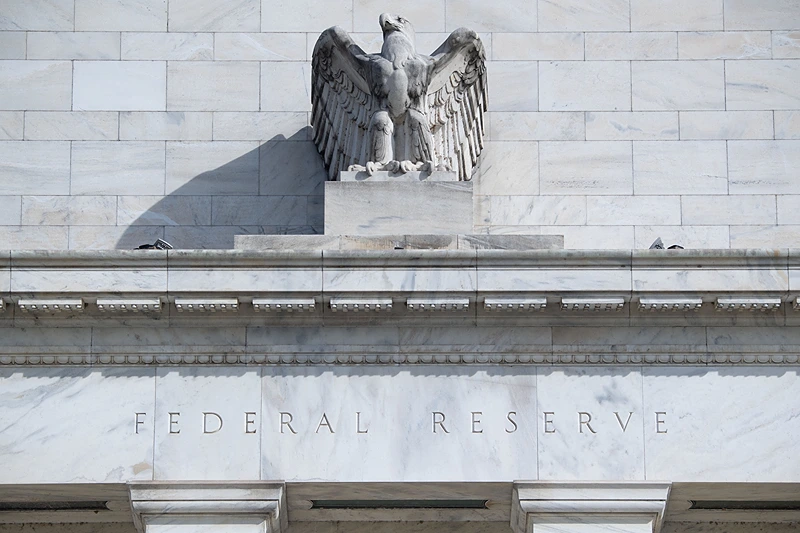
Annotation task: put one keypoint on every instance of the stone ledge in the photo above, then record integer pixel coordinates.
(569, 286)
(398, 242)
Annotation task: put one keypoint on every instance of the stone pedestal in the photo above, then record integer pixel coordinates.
(385, 205)
(541, 507)
(396, 177)
(398, 242)
(208, 507)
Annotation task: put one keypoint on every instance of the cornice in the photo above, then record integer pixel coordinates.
(243, 259)
(714, 259)
(399, 259)
(398, 288)
(736, 258)
(96, 259)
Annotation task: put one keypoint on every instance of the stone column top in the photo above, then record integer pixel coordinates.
(157, 499)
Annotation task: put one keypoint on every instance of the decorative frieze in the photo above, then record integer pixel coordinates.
(670, 304)
(118, 305)
(210, 305)
(284, 305)
(437, 304)
(55, 305)
(515, 304)
(748, 304)
(592, 304)
(366, 305)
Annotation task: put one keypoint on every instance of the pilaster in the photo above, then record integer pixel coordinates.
(208, 507)
(542, 507)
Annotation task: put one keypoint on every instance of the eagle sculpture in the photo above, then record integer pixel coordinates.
(398, 111)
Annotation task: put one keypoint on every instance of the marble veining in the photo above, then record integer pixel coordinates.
(392, 424)
(725, 424)
(591, 424)
(85, 414)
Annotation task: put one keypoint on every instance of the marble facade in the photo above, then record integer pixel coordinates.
(610, 122)
(500, 355)
(537, 391)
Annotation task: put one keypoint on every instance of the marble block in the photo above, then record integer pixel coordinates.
(119, 86)
(167, 46)
(44, 15)
(11, 124)
(679, 85)
(737, 439)
(769, 85)
(595, 414)
(403, 426)
(385, 208)
(203, 414)
(35, 167)
(36, 85)
(399, 242)
(120, 15)
(286, 242)
(398, 177)
(510, 242)
(74, 425)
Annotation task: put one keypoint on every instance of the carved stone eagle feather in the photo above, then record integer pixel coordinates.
(398, 110)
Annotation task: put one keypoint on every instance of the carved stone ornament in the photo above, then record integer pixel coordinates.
(399, 111)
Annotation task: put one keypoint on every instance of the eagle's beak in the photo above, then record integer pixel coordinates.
(387, 23)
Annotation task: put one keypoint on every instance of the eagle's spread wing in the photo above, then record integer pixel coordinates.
(457, 98)
(342, 103)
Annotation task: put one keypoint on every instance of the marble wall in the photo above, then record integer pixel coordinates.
(391, 424)
(612, 121)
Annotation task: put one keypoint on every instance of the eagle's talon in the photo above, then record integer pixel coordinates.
(408, 166)
(392, 166)
(372, 167)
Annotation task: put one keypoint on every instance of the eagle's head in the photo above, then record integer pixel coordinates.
(391, 23)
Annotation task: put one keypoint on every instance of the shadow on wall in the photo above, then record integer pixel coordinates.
(274, 188)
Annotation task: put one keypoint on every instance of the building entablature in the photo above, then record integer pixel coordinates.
(695, 307)
(333, 282)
